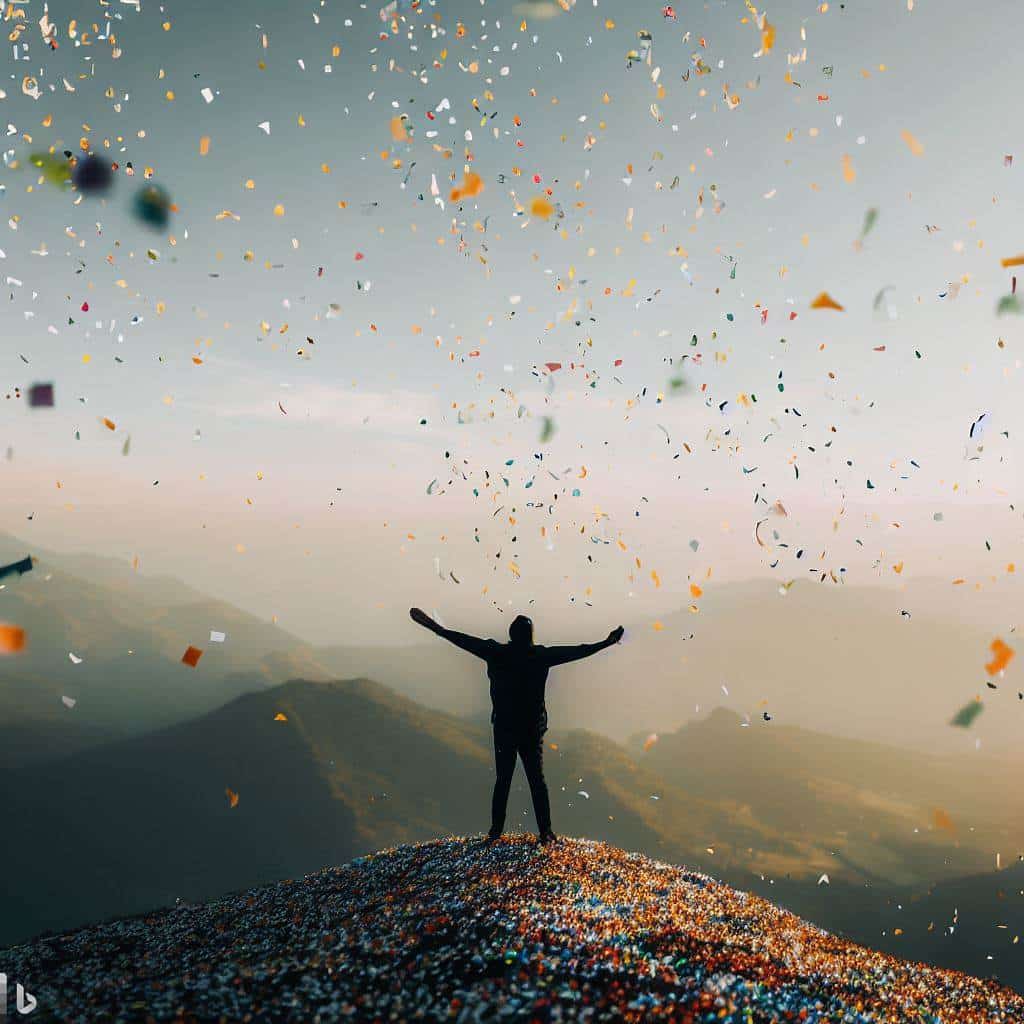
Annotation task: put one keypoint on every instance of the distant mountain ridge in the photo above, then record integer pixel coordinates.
(840, 660)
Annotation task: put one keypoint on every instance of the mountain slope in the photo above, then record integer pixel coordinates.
(146, 820)
(878, 812)
(352, 767)
(579, 931)
(112, 641)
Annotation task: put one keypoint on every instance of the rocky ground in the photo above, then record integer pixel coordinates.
(455, 930)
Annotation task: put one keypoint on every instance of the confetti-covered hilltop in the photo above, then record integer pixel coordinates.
(456, 930)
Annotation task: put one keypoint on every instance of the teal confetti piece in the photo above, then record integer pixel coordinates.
(967, 714)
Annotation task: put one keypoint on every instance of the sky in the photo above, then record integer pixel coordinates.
(336, 394)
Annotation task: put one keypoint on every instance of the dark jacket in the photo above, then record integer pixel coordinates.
(518, 674)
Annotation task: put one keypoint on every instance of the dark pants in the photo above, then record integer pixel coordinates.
(530, 747)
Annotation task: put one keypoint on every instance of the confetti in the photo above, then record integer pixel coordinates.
(191, 656)
(1002, 655)
(825, 301)
(12, 639)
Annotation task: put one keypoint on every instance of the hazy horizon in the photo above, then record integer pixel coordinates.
(328, 446)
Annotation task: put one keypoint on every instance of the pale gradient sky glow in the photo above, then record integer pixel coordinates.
(341, 535)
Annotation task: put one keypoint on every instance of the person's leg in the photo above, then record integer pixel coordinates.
(531, 750)
(504, 768)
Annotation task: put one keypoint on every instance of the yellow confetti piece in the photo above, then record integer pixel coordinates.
(279, 210)
(767, 36)
(825, 301)
(849, 174)
(204, 145)
(398, 129)
(540, 207)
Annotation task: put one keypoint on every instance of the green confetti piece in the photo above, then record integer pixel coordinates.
(1009, 304)
(56, 169)
(870, 219)
(967, 714)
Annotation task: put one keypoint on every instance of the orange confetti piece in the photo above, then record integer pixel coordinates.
(1012, 261)
(940, 819)
(280, 717)
(849, 174)
(540, 207)
(472, 185)
(767, 37)
(695, 591)
(232, 797)
(398, 129)
(825, 301)
(1002, 655)
(109, 424)
(191, 656)
(12, 639)
(204, 145)
(913, 145)
(650, 741)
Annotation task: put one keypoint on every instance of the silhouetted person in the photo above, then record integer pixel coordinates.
(518, 671)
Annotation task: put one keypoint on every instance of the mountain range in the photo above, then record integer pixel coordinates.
(875, 664)
(165, 782)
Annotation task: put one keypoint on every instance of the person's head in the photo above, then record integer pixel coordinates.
(520, 632)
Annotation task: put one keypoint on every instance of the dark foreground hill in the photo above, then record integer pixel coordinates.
(454, 930)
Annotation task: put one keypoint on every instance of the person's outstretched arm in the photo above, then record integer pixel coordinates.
(573, 652)
(473, 644)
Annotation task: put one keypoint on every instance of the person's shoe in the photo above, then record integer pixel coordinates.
(492, 838)
(548, 837)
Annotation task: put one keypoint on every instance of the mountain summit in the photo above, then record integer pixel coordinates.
(456, 930)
